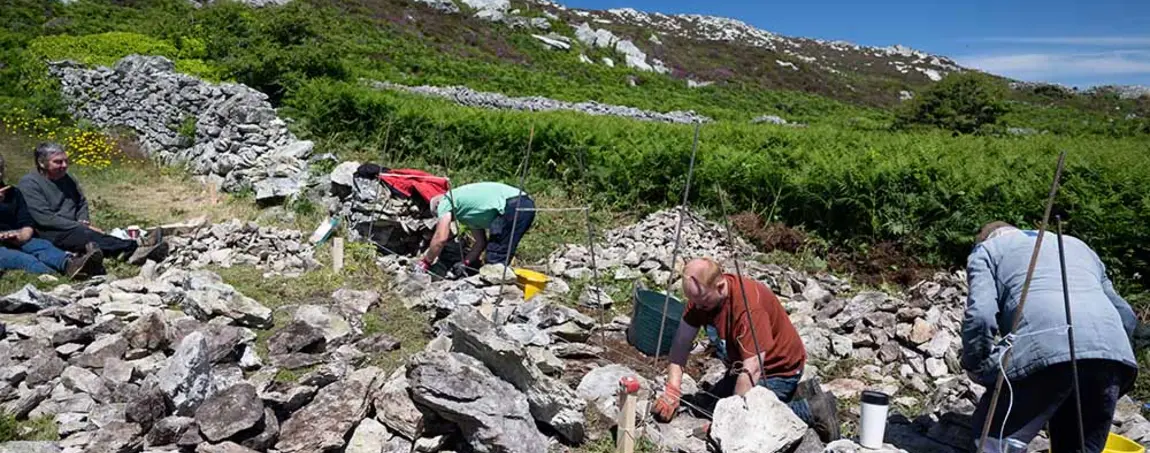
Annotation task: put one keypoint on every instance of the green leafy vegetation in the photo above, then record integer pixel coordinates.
(848, 178)
(962, 102)
(38, 429)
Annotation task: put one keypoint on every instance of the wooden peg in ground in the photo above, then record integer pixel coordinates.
(628, 400)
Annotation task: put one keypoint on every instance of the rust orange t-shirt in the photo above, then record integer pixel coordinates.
(783, 351)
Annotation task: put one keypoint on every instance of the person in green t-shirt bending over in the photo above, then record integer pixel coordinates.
(483, 207)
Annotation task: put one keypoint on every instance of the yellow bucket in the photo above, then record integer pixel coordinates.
(533, 282)
(1119, 444)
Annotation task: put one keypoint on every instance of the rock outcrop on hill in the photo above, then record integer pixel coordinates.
(228, 133)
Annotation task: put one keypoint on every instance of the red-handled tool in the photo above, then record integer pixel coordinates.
(629, 384)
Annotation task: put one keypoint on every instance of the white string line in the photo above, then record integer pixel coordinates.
(1009, 340)
(579, 209)
(396, 175)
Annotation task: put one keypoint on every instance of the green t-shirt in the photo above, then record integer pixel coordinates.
(476, 205)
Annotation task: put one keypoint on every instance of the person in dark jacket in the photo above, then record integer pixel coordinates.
(59, 210)
(20, 251)
(1039, 370)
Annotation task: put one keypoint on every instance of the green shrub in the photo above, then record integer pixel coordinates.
(962, 102)
(105, 49)
(928, 190)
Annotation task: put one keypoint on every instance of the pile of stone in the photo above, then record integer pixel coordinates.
(907, 345)
(373, 213)
(644, 250)
(237, 141)
(471, 98)
(235, 243)
(119, 370)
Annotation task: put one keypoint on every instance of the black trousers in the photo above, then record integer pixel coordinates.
(505, 231)
(1047, 396)
(75, 239)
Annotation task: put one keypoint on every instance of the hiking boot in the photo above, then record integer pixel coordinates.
(808, 389)
(824, 414)
(87, 264)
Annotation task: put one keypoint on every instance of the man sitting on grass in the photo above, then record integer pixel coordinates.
(60, 211)
(20, 251)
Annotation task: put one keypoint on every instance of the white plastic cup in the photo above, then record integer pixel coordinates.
(872, 426)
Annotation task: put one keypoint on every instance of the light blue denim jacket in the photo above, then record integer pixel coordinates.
(996, 269)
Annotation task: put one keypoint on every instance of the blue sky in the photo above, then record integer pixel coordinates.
(1073, 42)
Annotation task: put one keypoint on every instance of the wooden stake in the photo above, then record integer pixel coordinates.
(337, 255)
(625, 429)
(213, 194)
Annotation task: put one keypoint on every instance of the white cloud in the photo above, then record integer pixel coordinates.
(1105, 41)
(1049, 66)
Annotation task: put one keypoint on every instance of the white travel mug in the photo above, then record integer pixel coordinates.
(872, 426)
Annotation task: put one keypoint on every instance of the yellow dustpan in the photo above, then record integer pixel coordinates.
(533, 282)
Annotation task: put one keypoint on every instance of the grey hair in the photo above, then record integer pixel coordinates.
(44, 151)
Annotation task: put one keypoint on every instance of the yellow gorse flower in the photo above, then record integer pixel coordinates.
(85, 148)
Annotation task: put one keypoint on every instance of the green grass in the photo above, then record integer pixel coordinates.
(361, 273)
(37, 429)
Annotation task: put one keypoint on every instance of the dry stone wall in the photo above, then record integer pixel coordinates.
(239, 142)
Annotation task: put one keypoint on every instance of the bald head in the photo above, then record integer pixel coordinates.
(703, 283)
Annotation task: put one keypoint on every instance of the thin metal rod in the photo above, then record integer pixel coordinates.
(1022, 301)
(742, 286)
(515, 217)
(675, 249)
(595, 275)
(1070, 334)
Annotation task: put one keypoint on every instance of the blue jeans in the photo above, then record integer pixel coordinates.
(783, 386)
(507, 228)
(36, 256)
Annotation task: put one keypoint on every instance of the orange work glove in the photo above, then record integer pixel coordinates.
(668, 403)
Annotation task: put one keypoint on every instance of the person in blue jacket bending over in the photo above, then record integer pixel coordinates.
(1039, 370)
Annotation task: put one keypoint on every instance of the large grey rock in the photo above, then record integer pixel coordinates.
(228, 412)
(226, 447)
(169, 430)
(552, 402)
(186, 379)
(600, 387)
(334, 327)
(208, 296)
(755, 422)
(369, 437)
(493, 416)
(324, 423)
(149, 332)
(394, 407)
(29, 447)
(147, 407)
(104, 348)
(29, 299)
(28, 401)
(116, 437)
(43, 368)
(355, 301)
(298, 336)
(268, 435)
(289, 399)
(678, 435)
(81, 380)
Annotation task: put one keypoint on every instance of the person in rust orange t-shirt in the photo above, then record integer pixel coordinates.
(754, 338)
